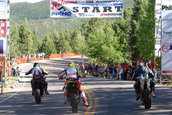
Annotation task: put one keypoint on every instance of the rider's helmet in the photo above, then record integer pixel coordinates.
(70, 65)
(73, 64)
(35, 64)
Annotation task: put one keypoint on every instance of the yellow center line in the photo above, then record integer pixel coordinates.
(87, 90)
(91, 102)
(95, 102)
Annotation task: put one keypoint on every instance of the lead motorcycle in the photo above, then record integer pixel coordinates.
(73, 94)
(38, 90)
(145, 91)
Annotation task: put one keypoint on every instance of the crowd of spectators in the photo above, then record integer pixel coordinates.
(121, 71)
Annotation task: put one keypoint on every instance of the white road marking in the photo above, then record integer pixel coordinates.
(14, 93)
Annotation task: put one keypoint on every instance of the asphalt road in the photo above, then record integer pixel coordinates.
(106, 96)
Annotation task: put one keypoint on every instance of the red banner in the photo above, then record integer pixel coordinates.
(3, 28)
(2, 64)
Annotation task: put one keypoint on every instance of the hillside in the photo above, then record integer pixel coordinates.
(38, 16)
(44, 26)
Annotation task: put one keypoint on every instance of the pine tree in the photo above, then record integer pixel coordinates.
(139, 14)
(48, 46)
(146, 33)
(14, 41)
(63, 44)
(36, 42)
(26, 41)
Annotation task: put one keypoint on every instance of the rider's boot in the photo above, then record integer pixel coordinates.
(66, 100)
(32, 92)
(137, 94)
(84, 99)
(153, 95)
(153, 91)
(46, 91)
(65, 95)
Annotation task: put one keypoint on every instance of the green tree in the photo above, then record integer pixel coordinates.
(48, 46)
(26, 41)
(103, 46)
(139, 14)
(63, 44)
(78, 42)
(36, 42)
(147, 33)
(14, 41)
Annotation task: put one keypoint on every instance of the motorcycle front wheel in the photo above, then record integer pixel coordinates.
(147, 99)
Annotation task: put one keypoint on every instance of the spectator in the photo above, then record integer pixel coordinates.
(14, 68)
(125, 70)
(18, 70)
(153, 65)
(100, 70)
(90, 69)
(114, 72)
(122, 73)
(118, 71)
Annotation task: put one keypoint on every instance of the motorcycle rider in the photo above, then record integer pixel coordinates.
(73, 73)
(143, 70)
(38, 73)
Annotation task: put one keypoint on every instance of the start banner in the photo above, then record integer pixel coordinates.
(86, 9)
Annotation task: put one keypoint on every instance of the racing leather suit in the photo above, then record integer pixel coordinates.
(38, 73)
(73, 73)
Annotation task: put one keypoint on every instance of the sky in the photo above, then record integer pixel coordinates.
(30, 1)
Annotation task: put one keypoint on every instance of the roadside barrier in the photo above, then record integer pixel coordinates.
(31, 59)
(52, 56)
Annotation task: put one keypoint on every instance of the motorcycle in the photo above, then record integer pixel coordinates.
(73, 94)
(145, 91)
(38, 90)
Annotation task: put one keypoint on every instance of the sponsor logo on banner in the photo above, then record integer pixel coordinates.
(166, 7)
(2, 28)
(167, 47)
(81, 9)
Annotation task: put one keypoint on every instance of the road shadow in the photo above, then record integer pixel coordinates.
(23, 103)
(122, 102)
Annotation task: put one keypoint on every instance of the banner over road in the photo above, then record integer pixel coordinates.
(166, 42)
(86, 9)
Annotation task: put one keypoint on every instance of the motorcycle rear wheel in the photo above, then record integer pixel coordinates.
(74, 104)
(37, 96)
